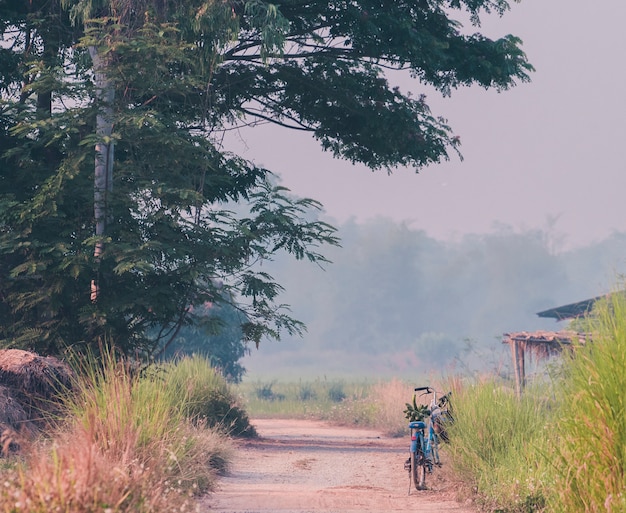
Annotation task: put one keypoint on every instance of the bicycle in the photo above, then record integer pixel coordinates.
(424, 449)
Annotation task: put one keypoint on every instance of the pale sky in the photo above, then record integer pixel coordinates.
(548, 154)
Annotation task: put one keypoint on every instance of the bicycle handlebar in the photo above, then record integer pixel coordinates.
(427, 390)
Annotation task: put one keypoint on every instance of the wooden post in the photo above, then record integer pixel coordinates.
(517, 350)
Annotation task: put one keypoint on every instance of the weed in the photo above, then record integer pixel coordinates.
(336, 392)
(307, 392)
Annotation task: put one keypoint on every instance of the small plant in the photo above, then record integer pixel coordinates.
(306, 392)
(416, 412)
(265, 392)
(336, 392)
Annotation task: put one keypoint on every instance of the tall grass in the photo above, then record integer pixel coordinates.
(204, 396)
(589, 461)
(497, 442)
(123, 448)
(390, 398)
(561, 448)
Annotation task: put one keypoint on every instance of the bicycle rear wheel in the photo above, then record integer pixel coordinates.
(418, 469)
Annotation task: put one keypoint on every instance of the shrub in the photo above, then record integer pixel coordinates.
(336, 392)
(306, 392)
(205, 396)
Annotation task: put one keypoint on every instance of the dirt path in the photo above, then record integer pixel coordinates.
(301, 466)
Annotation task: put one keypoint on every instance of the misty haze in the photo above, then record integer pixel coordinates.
(396, 302)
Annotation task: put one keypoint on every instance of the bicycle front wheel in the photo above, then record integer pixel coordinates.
(418, 470)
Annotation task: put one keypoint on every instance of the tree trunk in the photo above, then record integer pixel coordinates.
(103, 178)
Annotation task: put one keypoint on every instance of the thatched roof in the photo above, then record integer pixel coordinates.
(542, 344)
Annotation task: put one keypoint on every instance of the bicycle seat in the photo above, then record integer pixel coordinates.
(417, 424)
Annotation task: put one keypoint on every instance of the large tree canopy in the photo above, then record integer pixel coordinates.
(117, 206)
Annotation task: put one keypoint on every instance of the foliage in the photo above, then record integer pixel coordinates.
(215, 333)
(123, 244)
(589, 454)
(415, 412)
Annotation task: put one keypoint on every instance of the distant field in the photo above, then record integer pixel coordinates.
(378, 404)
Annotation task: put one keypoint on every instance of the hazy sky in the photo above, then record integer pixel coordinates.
(546, 154)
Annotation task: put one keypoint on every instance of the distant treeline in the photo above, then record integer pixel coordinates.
(397, 301)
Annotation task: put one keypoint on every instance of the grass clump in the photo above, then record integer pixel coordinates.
(205, 396)
(497, 443)
(122, 448)
(589, 460)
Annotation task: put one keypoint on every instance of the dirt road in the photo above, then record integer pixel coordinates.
(301, 466)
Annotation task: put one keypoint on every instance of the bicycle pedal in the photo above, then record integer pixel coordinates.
(407, 465)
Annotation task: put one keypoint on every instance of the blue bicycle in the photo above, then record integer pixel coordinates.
(424, 449)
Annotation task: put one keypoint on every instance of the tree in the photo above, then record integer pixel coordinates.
(118, 204)
(215, 334)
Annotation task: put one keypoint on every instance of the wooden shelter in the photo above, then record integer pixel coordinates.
(538, 345)
(542, 344)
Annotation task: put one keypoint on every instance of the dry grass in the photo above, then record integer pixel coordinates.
(30, 392)
(76, 473)
(122, 449)
(390, 398)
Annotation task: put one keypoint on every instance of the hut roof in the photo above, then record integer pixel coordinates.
(570, 311)
(578, 309)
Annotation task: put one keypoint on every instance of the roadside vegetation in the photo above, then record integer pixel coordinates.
(499, 443)
(129, 442)
(561, 448)
(154, 440)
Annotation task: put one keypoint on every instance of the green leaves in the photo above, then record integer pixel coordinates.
(416, 412)
(271, 25)
(160, 83)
